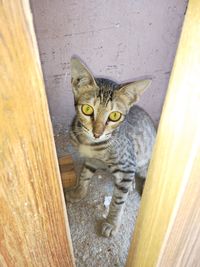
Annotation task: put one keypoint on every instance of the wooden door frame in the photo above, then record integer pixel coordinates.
(168, 225)
(34, 228)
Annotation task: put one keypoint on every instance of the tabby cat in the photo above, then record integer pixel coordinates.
(110, 133)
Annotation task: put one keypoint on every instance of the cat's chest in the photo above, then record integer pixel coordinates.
(91, 152)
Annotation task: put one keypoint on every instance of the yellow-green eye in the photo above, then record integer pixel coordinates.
(87, 110)
(115, 116)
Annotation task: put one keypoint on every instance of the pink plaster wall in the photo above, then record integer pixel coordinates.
(117, 39)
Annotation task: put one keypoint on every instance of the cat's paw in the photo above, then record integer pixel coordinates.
(74, 196)
(108, 229)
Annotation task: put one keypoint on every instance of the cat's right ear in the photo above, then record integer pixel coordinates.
(80, 75)
(132, 91)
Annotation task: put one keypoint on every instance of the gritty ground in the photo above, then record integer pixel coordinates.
(85, 217)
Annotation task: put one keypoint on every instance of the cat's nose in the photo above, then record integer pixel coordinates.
(97, 135)
(98, 129)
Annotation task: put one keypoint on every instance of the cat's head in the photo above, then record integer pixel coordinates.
(101, 105)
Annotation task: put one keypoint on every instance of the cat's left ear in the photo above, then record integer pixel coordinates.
(132, 91)
(80, 76)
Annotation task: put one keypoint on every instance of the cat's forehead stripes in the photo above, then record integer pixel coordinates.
(103, 91)
(106, 90)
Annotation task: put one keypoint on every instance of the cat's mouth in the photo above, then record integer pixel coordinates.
(94, 136)
(97, 139)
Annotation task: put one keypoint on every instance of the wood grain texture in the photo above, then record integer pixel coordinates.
(34, 229)
(67, 171)
(181, 246)
(167, 228)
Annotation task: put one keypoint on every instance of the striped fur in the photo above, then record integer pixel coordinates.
(123, 147)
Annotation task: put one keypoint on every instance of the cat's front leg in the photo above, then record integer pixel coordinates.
(81, 190)
(122, 185)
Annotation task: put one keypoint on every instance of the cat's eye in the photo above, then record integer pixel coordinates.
(115, 116)
(87, 110)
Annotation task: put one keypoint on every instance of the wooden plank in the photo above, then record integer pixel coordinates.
(181, 245)
(167, 228)
(34, 229)
(67, 171)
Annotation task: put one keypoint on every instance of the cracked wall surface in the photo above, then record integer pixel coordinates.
(121, 40)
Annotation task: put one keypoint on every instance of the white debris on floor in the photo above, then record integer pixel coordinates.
(107, 200)
(86, 216)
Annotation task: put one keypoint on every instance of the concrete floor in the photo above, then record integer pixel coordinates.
(85, 217)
